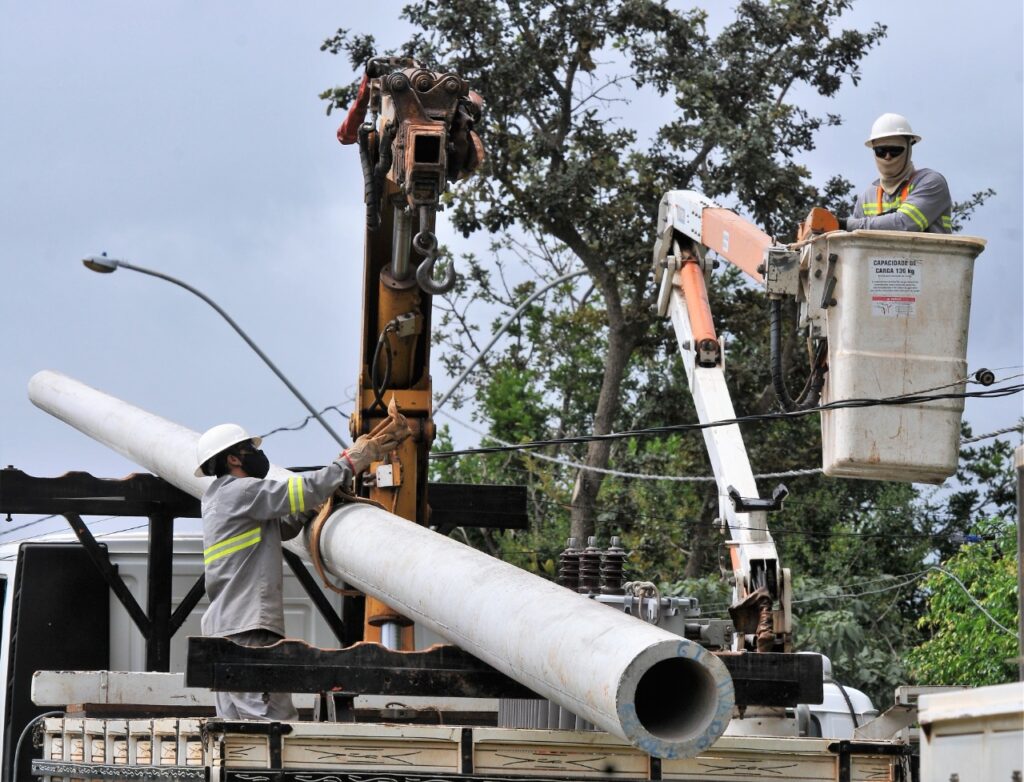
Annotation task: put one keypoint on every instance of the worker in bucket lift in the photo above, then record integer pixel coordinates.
(903, 198)
(245, 518)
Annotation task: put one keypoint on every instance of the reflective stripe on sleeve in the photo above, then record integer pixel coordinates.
(871, 210)
(947, 222)
(914, 214)
(231, 545)
(296, 499)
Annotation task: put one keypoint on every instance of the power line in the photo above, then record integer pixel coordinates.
(505, 326)
(55, 531)
(772, 530)
(27, 524)
(620, 473)
(651, 431)
(851, 595)
(996, 433)
(910, 578)
(971, 597)
(304, 422)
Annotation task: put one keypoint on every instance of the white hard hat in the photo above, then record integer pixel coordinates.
(220, 438)
(891, 125)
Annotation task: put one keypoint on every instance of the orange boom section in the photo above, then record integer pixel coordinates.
(705, 342)
(736, 240)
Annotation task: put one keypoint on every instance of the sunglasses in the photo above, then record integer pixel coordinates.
(893, 152)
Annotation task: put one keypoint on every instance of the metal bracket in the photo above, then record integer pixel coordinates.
(830, 282)
(747, 504)
(846, 749)
(782, 271)
(665, 272)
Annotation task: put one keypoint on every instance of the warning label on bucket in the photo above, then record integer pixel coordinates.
(894, 285)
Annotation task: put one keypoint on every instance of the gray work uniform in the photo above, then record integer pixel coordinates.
(922, 203)
(244, 522)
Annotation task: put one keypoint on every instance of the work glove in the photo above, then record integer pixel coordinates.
(385, 438)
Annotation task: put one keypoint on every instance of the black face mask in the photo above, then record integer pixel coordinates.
(255, 463)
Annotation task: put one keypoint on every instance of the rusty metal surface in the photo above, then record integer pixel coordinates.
(753, 615)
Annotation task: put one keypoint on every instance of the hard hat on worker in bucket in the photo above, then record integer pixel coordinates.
(889, 125)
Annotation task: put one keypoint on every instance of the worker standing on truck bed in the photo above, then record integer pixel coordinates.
(902, 198)
(245, 518)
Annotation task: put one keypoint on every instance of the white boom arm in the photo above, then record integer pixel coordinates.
(754, 559)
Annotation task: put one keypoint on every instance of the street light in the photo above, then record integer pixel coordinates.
(105, 265)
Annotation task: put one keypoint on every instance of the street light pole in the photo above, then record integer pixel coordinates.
(105, 265)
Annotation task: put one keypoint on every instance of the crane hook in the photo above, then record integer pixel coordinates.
(425, 243)
(425, 276)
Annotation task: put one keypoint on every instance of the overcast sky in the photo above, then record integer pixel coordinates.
(188, 137)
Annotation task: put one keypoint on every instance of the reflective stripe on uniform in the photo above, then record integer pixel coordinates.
(914, 214)
(947, 222)
(296, 499)
(231, 545)
(887, 206)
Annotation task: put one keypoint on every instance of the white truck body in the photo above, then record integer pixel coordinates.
(973, 735)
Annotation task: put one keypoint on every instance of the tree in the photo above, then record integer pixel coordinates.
(573, 178)
(970, 618)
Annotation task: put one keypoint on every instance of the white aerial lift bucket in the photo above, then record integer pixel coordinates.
(898, 326)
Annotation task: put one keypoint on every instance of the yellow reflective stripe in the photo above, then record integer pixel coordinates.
(872, 208)
(947, 221)
(914, 214)
(231, 545)
(296, 499)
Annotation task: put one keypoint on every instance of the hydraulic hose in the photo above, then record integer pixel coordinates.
(380, 384)
(369, 180)
(811, 392)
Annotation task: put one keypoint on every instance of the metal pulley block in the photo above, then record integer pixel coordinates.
(434, 115)
(420, 136)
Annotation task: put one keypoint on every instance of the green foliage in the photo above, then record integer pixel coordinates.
(859, 627)
(964, 646)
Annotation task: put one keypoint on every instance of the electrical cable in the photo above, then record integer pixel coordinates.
(380, 386)
(28, 726)
(973, 600)
(304, 422)
(619, 473)
(504, 327)
(683, 478)
(811, 393)
(907, 399)
(56, 531)
(849, 703)
(910, 579)
(27, 524)
(772, 531)
(852, 595)
(996, 433)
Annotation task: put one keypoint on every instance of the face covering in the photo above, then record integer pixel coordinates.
(255, 463)
(894, 171)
